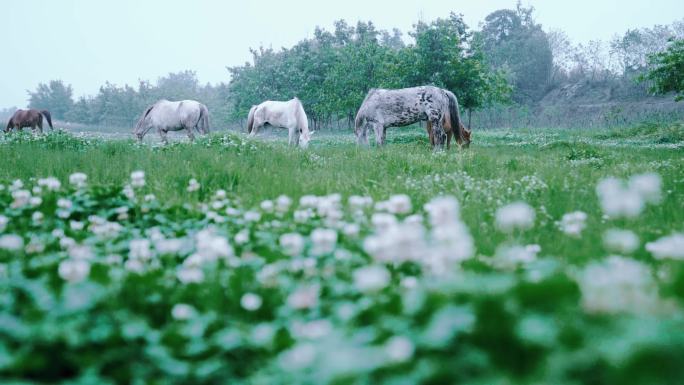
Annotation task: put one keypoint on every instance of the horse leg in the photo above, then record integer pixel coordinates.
(190, 134)
(362, 134)
(379, 134)
(428, 128)
(162, 134)
(40, 125)
(450, 134)
(438, 132)
(293, 139)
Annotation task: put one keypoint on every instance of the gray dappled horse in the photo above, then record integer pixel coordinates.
(29, 118)
(396, 108)
(165, 116)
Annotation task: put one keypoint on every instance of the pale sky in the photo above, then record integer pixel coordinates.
(86, 42)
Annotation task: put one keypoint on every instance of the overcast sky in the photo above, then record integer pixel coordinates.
(86, 43)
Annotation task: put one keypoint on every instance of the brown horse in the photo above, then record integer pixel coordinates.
(29, 118)
(462, 138)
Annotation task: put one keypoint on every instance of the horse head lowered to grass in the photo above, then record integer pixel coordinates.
(29, 118)
(396, 108)
(165, 116)
(288, 115)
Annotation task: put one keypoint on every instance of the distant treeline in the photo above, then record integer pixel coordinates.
(510, 60)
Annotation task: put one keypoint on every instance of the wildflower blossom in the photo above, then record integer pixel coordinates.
(138, 179)
(671, 247)
(74, 270)
(305, 297)
(193, 185)
(323, 240)
(78, 179)
(371, 278)
(515, 216)
(183, 311)
(399, 204)
(11, 242)
(292, 244)
(573, 223)
(620, 241)
(617, 200)
(399, 349)
(50, 183)
(251, 301)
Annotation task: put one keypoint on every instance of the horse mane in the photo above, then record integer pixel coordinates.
(302, 120)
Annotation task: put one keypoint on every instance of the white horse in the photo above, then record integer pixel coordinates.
(168, 116)
(288, 115)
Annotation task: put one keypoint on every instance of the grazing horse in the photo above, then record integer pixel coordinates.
(462, 138)
(288, 115)
(396, 108)
(29, 118)
(167, 116)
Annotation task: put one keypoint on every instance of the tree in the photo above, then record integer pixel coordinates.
(667, 73)
(54, 96)
(515, 44)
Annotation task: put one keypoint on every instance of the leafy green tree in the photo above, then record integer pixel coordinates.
(54, 96)
(514, 43)
(667, 73)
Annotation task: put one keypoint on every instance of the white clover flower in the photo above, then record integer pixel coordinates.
(573, 223)
(50, 183)
(323, 240)
(302, 216)
(76, 225)
(351, 230)
(621, 241)
(669, 247)
(311, 330)
(78, 179)
(168, 246)
(511, 256)
(298, 357)
(396, 244)
(357, 202)
(252, 216)
(443, 210)
(399, 204)
(242, 237)
(193, 185)
(515, 216)
(138, 179)
(3, 223)
(251, 301)
(617, 200)
(139, 249)
(37, 218)
(134, 266)
(80, 252)
(66, 243)
(190, 274)
(383, 221)
(35, 201)
(57, 233)
(267, 206)
(399, 349)
(21, 198)
(11, 242)
(409, 282)
(308, 201)
(74, 270)
(283, 204)
(305, 297)
(64, 204)
(36, 190)
(617, 285)
(371, 279)
(292, 244)
(128, 192)
(220, 195)
(149, 198)
(648, 186)
(17, 184)
(212, 247)
(183, 312)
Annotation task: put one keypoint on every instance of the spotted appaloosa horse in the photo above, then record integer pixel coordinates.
(29, 118)
(396, 108)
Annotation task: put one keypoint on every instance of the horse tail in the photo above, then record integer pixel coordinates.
(48, 117)
(250, 119)
(455, 115)
(204, 119)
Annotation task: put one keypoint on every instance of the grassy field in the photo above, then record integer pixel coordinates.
(531, 305)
